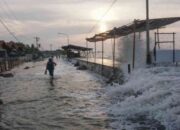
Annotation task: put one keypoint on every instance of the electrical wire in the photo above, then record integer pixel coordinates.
(10, 10)
(9, 31)
(106, 12)
(110, 7)
(10, 14)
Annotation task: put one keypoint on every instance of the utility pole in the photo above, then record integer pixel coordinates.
(37, 39)
(148, 55)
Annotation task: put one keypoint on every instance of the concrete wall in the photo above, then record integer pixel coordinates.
(106, 71)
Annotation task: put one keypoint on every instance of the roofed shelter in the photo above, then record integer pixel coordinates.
(76, 51)
(132, 28)
(136, 26)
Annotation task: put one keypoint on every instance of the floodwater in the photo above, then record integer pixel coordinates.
(74, 101)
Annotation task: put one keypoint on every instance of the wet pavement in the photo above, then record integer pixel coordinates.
(74, 101)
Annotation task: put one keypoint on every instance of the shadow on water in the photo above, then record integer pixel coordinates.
(51, 81)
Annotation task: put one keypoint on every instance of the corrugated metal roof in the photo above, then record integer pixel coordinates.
(137, 26)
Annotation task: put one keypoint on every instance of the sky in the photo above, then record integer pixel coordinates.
(46, 18)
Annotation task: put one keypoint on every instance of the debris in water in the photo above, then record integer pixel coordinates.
(27, 67)
(1, 102)
(83, 67)
(6, 75)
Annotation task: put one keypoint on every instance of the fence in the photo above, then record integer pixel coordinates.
(9, 63)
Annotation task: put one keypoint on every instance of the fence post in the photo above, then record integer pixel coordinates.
(129, 68)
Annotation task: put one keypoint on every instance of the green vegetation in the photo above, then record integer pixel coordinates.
(18, 49)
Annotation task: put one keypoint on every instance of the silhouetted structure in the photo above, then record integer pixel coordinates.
(74, 51)
(133, 28)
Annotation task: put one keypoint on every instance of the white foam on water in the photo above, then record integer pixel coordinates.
(150, 92)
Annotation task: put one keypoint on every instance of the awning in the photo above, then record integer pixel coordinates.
(136, 26)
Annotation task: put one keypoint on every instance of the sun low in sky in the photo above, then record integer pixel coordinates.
(45, 18)
(103, 27)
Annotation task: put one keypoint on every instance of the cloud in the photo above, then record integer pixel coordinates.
(45, 18)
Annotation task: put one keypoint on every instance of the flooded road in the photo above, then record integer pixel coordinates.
(74, 101)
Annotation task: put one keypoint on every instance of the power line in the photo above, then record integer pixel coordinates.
(7, 16)
(10, 10)
(112, 4)
(8, 25)
(11, 33)
(11, 15)
(110, 7)
(5, 10)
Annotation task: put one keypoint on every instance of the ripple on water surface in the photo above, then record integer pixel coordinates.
(72, 102)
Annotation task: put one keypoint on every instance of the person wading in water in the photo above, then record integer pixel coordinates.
(50, 67)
